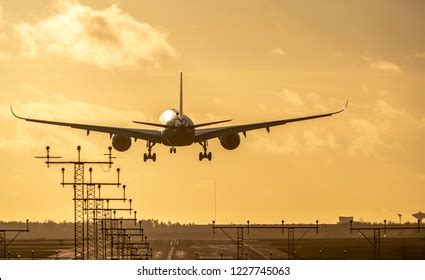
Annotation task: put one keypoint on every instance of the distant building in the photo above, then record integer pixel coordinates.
(345, 220)
(419, 216)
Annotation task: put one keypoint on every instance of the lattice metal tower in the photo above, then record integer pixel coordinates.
(240, 235)
(98, 232)
(376, 241)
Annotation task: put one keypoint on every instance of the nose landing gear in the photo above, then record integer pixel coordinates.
(204, 154)
(173, 150)
(149, 155)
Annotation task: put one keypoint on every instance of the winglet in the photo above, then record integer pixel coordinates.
(346, 104)
(16, 116)
(343, 108)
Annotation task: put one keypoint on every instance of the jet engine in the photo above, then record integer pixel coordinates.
(121, 143)
(230, 141)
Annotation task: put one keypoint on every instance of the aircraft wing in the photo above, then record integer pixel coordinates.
(144, 134)
(209, 133)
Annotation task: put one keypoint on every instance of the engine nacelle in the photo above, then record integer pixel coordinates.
(230, 141)
(121, 143)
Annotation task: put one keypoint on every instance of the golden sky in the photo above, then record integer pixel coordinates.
(101, 63)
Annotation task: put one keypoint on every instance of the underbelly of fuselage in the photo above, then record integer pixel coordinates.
(177, 136)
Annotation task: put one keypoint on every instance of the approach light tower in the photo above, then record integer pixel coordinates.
(239, 242)
(81, 194)
(98, 232)
(3, 241)
(376, 241)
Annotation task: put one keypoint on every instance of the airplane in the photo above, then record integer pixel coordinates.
(177, 130)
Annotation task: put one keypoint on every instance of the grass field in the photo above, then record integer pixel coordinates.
(37, 248)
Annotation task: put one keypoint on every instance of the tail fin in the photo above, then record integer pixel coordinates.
(181, 95)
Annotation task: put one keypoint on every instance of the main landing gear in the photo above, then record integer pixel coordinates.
(204, 154)
(173, 150)
(149, 155)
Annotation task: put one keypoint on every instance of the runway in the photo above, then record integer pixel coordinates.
(175, 249)
(258, 249)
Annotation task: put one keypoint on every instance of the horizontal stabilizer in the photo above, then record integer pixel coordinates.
(155, 124)
(209, 123)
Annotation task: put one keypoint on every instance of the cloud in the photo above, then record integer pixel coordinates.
(388, 128)
(420, 54)
(301, 103)
(7, 45)
(1, 14)
(290, 98)
(383, 93)
(338, 54)
(108, 38)
(294, 142)
(278, 51)
(388, 110)
(393, 114)
(262, 107)
(385, 66)
(314, 141)
(217, 100)
(367, 137)
(4, 55)
(2, 24)
(208, 117)
(274, 146)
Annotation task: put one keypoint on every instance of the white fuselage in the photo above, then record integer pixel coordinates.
(182, 134)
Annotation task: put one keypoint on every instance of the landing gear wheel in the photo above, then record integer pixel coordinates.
(204, 154)
(149, 155)
(173, 150)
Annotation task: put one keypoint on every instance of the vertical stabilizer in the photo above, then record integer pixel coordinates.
(181, 95)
